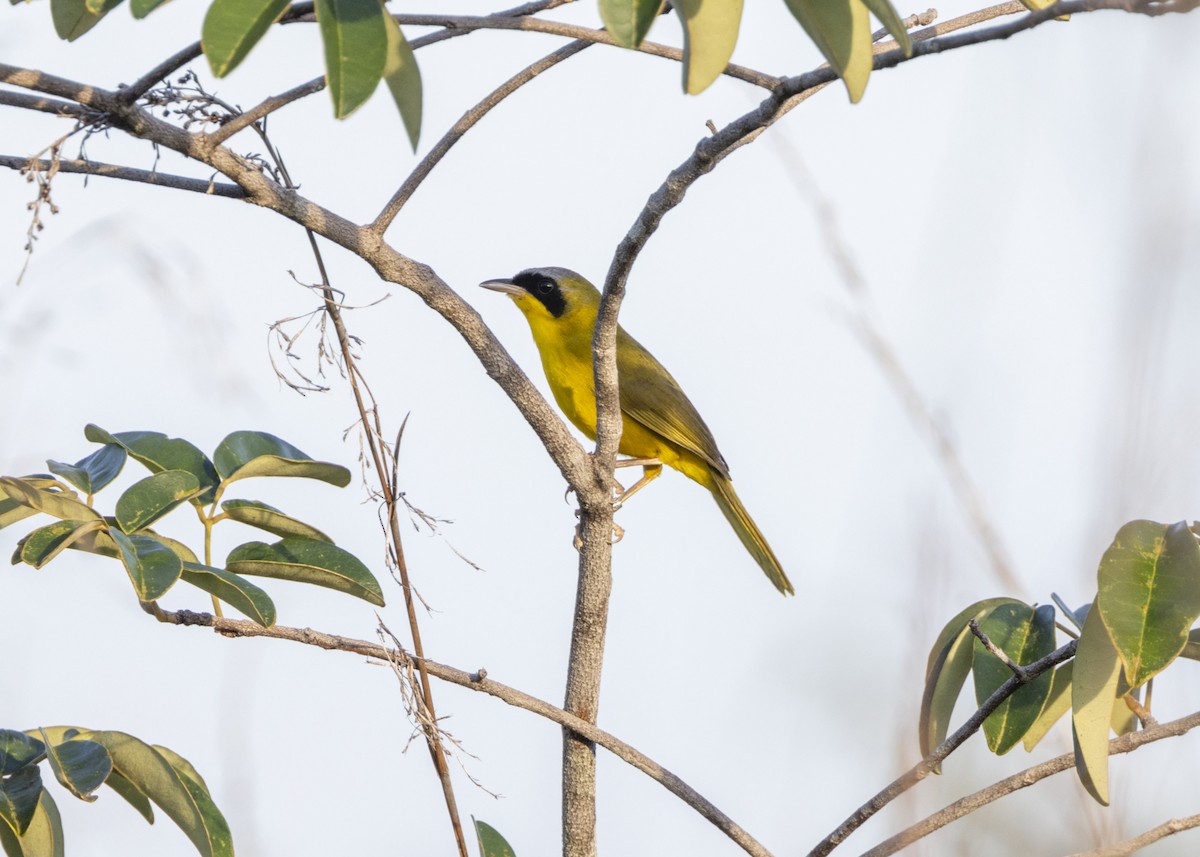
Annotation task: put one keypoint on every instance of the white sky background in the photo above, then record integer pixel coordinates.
(1024, 215)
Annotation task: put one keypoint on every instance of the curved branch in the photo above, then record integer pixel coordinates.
(462, 126)
(930, 763)
(390, 264)
(470, 23)
(478, 681)
(932, 40)
(1137, 843)
(963, 806)
(131, 174)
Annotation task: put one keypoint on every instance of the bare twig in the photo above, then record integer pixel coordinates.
(1023, 779)
(42, 105)
(464, 124)
(264, 109)
(114, 171)
(1017, 670)
(930, 763)
(478, 681)
(1137, 843)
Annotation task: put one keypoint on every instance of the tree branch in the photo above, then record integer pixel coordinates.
(479, 681)
(264, 109)
(964, 806)
(462, 126)
(927, 765)
(43, 105)
(1137, 843)
(114, 171)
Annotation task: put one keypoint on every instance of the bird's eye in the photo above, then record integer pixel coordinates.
(545, 287)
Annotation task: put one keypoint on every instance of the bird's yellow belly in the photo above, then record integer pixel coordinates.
(578, 403)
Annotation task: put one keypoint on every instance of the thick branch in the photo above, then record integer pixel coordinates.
(964, 806)
(479, 681)
(391, 265)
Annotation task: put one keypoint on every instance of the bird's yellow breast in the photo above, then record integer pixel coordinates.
(565, 347)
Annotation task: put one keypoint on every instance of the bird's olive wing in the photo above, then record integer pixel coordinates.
(653, 398)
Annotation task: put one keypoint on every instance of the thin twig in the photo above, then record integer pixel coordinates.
(40, 104)
(1137, 843)
(131, 93)
(479, 681)
(460, 128)
(931, 762)
(1017, 669)
(114, 171)
(427, 713)
(264, 109)
(1023, 779)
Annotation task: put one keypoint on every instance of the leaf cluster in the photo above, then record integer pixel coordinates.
(363, 44)
(181, 474)
(83, 760)
(1140, 621)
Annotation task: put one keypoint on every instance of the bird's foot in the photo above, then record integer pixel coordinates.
(618, 533)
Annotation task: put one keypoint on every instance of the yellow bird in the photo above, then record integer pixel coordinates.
(658, 421)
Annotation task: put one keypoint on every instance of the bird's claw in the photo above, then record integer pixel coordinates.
(618, 533)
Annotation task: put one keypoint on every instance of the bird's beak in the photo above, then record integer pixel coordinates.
(508, 287)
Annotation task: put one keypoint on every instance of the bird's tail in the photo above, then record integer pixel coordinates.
(748, 532)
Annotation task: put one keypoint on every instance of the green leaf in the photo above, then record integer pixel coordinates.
(1025, 634)
(153, 567)
(1123, 719)
(72, 18)
(307, 561)
(43, 838)
(92, 473)
(157, 452)
(99, 7)
(180, 550)
(18, 750)
(232, 27)
(147, 500)
(12, 511)
(356, 42)
(1057, 704)
(1076, 616)
(271, 519)
(19, 798)
(127, 790)
(946, 671)
(255, 453)
(183, 800)
(45, 543)
(142, 8)
(841, 29)
(403, 79)
(181, 765)
(236, 591)
(81, 766)
(1149, 595)
(710, 31)
(628, 21)
(892, 22)
(1093, 689)
(491, 843)
(1192, 649)
(57, 503)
